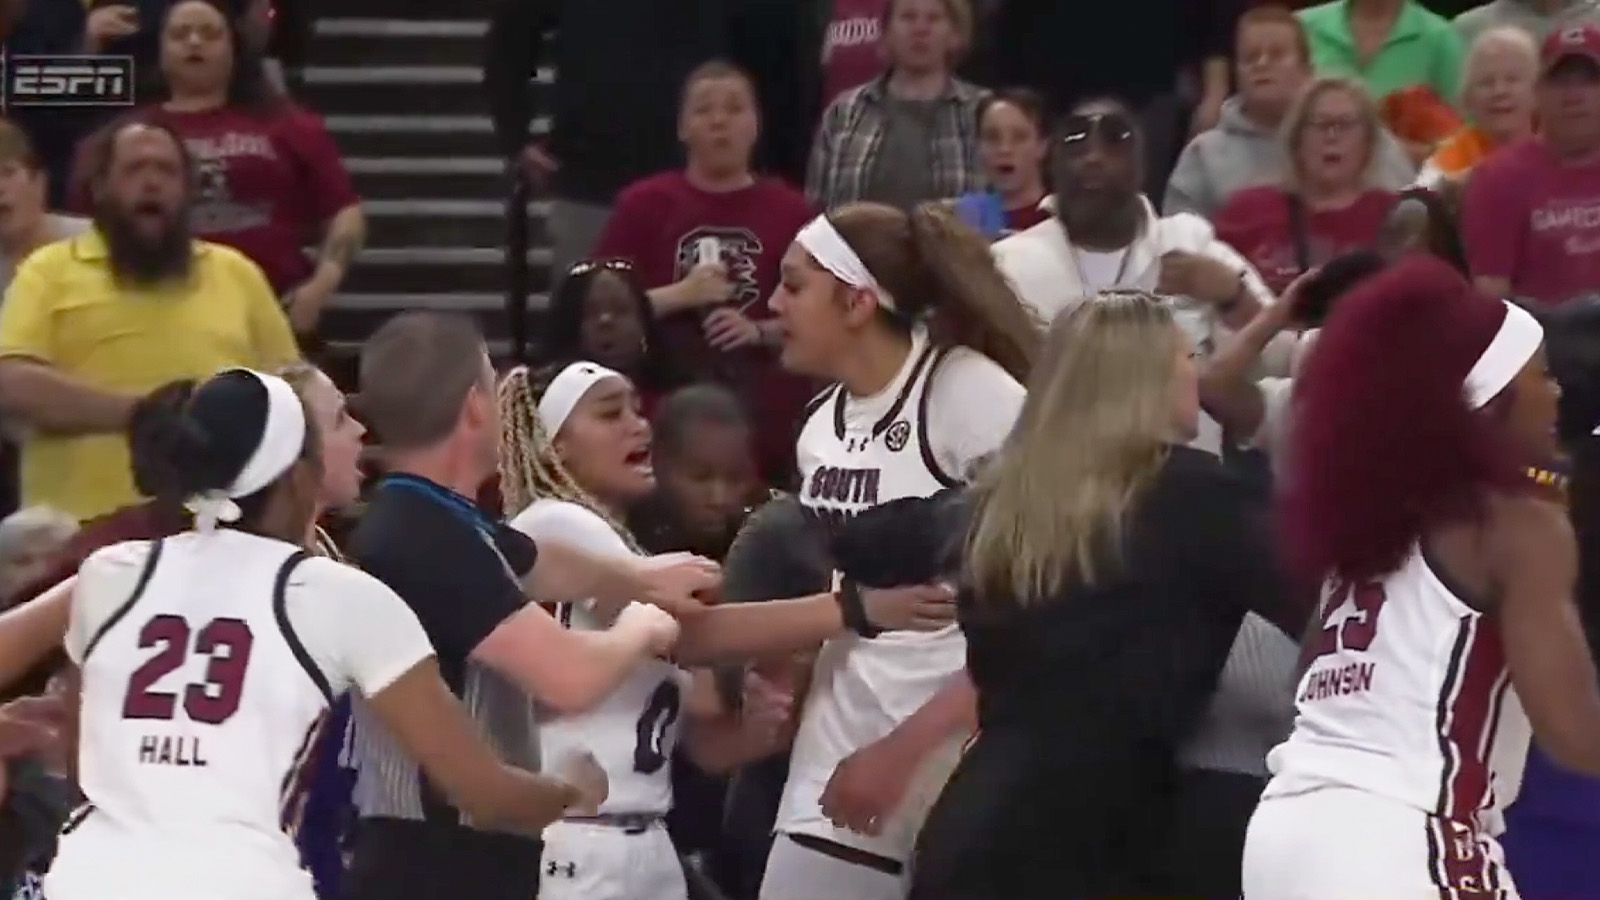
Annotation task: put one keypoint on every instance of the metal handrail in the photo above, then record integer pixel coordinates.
(518, 235)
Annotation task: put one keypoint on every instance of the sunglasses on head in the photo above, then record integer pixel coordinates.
(593, 265)
(1111, 128)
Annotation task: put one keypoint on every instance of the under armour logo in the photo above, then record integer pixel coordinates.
(568, 869)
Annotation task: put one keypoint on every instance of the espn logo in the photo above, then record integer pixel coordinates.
(63, 81)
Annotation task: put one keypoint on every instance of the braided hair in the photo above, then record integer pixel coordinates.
(529, 467)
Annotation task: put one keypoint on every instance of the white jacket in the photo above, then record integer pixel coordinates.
(1044, 272)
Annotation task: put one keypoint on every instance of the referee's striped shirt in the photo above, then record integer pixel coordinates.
(460, 573)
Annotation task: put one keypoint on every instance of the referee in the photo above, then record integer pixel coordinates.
(429, 397)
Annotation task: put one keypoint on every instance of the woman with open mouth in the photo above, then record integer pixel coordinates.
(1012, 147)
(1328, 202)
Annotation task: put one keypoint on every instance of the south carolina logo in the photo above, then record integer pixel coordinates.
(897, 435)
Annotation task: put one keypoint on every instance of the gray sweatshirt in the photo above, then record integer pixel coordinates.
(1238, 153)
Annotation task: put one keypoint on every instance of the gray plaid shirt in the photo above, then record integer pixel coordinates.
(851, 134)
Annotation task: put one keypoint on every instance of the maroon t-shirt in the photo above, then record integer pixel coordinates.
(266, 184)
(658, 223)
(1024, 217)
(1534, 220)
(852, 47)
(1258, 223)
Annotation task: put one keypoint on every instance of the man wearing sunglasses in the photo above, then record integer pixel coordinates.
(1105, 234)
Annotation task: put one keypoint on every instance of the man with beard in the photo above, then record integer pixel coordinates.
(1105, 234)
(92, 323)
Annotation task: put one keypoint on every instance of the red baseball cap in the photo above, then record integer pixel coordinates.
(1578, 39)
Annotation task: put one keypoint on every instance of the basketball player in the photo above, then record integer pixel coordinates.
(1448, 580)
(925, 342)
(206, 660)
(573, 460)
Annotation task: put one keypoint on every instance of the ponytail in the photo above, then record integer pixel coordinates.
(529, 467)
(940, 271)
(972, 303)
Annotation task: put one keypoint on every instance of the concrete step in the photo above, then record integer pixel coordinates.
(446, 223)
(441, 270)
(352, 317)
(410, 187)
(441, 140)
(380, 42)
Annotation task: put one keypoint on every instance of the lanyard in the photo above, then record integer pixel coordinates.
(458, 505)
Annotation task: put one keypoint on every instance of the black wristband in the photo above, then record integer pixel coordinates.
(853, 610)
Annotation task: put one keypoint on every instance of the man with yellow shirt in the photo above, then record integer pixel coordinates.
(92, 323)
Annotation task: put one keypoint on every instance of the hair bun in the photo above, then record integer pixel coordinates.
(157, 428)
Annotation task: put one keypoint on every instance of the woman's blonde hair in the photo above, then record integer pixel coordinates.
(530, 468)
(1298, 120)
(1093, 431)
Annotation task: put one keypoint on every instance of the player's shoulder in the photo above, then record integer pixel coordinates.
(547, 517)
(115, 560)
(322, 584)
(1524, 524)
(962, 372)
(815, 404)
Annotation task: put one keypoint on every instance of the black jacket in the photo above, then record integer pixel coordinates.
(1132, 49)
(621, 66)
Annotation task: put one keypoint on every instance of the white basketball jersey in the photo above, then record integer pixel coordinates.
(1409, 698)
(632, 732)
(861, 689)
(200, 706)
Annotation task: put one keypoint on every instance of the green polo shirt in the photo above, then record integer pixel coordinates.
(1422, 49)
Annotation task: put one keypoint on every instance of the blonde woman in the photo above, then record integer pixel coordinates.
(1328, 202)
(1497, 93)
(1108, 569)
(574, 456)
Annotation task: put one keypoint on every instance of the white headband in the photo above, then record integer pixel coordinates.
(282, 440)
(829, 249)
(566, 389)
(1514, 344)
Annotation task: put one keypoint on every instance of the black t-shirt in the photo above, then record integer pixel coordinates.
(460, 574)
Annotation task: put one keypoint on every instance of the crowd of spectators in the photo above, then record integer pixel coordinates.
(1217, 153)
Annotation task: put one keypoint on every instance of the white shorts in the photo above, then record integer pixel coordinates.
(800, 873)
(597, 861)
(1345, 844)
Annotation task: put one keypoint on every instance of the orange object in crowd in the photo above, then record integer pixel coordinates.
(1418, 115)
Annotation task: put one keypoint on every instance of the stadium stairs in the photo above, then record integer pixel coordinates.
(400, 90)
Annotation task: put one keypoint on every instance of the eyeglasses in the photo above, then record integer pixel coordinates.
(1110, 128)
(614, 264)
(1334, 126)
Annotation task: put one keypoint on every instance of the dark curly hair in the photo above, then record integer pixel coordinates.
(565, 331)
(1385, 446)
